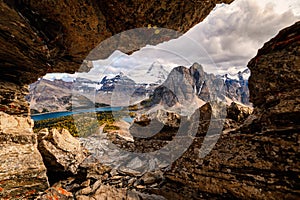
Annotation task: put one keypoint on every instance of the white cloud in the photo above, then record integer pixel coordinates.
(232, 34)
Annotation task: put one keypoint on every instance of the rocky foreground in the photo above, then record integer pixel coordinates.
(257, 160)
(75, 173)
(101, 171)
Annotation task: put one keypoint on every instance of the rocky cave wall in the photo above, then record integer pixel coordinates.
(274, 84)
(47, 36)
(39, 37)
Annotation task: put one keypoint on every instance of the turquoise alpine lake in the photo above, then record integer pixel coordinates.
(52, 115)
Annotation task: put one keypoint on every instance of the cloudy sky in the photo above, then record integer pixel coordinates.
(223, 43)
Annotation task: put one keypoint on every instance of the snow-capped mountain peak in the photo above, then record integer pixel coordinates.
(157, 73)
(155, 67)
(241, 75)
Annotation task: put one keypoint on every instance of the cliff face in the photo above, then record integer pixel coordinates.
(275, 81)
(182, 86)
(39, 37)
(185, 86)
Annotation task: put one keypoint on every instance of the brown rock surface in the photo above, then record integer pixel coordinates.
(238, 112)
(275, 81)
(12, 98)
(22, 172)
(61, 151)
(110, 192)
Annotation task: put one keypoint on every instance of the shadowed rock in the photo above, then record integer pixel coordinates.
(42, 37)
(274, 82)
(62, 153)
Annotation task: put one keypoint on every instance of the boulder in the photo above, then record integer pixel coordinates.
(62, 153)
(170, 119)
(155, 125)
(151, 177)
(238, 112)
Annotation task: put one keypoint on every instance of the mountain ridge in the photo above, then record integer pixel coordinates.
(194, 81)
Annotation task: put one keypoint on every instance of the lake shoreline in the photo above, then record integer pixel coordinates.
(51, 115)
(32, 115)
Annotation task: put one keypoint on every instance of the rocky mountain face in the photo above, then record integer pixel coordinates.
(49, 96)
(184, 86)
(140, 80)
(237, 87)
(109, 84)
(57, 95)
(157, 72)
(179, 86)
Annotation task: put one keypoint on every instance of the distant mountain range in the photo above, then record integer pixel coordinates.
(237, 86)
(188, 86)
(51, 96)
(180, 86)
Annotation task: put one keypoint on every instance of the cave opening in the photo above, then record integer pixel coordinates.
(30, 52)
